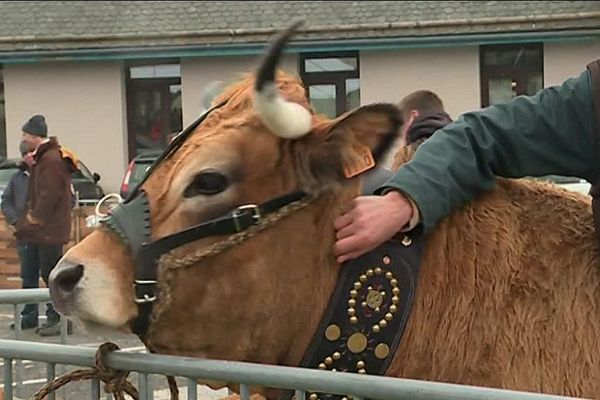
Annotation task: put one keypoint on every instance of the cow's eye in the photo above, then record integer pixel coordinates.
(206, 183)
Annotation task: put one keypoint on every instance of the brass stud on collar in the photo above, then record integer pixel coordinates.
(333, 332)
(394, 282)
(353, 320)
(396, 291)
(351, 302)
(395, 300)
(369, 272)
(383, 323)
(313, 396)
(357, 285)
(376, 328)
(353, 293)
(337, 355)
(382, 350)
(364, 304)
(322, 366)
(363, 278)
(393, 308)
(362, 371)
(357, 343)
(389, 316)
(360, 364)
(377, 271)
(389, 275)
(351, 312)
(328, 361)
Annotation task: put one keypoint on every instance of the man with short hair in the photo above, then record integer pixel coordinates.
(46, 223)
(423, 114)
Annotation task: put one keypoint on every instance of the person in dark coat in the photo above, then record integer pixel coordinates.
(46, 223)
(14, 200)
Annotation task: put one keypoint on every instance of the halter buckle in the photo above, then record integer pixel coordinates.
(243, 210)
(147, 298)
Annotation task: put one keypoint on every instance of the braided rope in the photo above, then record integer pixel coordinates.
(171, 261)
(115, 381)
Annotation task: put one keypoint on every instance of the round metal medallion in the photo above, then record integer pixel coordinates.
(382, 351)
(333, 332)
(357, 343)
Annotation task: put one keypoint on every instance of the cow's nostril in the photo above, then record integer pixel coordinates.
(68, 277)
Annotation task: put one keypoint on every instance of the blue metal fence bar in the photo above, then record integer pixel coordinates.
(50, 374)
(63, 330)
(192, 388)
(244, 392)
(18, 335)
(300, 394)
(8, 392)
(143, 386)
(95, 389)
(22, 296)
(354, 385)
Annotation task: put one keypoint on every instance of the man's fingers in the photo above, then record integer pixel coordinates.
(346, 231)
(342, 221)
(348, 245)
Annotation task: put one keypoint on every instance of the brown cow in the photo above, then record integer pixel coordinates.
(509, 292)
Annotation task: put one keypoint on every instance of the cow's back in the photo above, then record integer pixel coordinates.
(509, 295)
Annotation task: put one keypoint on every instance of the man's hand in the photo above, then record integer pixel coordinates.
(369, 222)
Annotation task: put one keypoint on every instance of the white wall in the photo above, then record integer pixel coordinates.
(84, 106)
(453, 74)
(566, 60)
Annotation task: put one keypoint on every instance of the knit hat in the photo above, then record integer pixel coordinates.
(36, 126)
(23, 148)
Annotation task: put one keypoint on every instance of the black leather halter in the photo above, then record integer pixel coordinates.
(131, 221)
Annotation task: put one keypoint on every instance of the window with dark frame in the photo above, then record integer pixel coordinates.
(154, 109)
(332, 81)
(508, 71)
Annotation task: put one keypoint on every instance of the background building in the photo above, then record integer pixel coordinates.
(116, 78)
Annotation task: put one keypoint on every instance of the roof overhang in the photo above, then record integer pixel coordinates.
(329, 45)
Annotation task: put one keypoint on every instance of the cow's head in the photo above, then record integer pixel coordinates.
(261, 299)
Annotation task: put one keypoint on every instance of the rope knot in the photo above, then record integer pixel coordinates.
(114, 380)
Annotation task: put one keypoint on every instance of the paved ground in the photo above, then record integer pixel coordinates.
(34, 374)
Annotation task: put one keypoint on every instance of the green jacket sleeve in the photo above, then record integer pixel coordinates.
(549, 133)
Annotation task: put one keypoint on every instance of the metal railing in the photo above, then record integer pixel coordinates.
(246, 374)
(16, 298)
(301, 380)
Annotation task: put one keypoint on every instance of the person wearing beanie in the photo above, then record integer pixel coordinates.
(14, 199)
(46, 223)
(36, 126)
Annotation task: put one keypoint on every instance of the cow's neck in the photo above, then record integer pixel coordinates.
(322, 273)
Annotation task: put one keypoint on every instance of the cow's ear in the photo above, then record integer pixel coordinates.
(353, 143)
